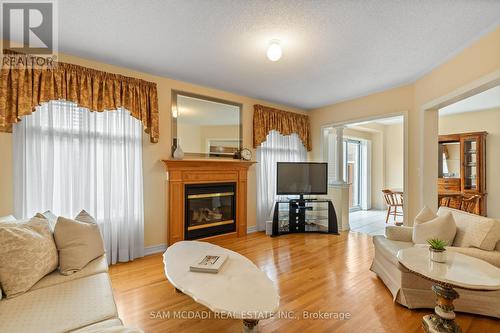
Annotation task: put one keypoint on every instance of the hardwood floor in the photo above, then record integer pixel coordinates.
(313, 273)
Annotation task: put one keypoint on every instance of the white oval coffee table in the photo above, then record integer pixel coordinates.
(459, 271)
(240, 290)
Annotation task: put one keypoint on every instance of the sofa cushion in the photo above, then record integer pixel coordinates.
(442, 227)
(463, 221)
(493, 257)
(96, 266)
(399, 233)
(27, 254)
(99, 326)
(60, 308)
(115, 329)
(78, 243)
(389, 248)
(118, 329)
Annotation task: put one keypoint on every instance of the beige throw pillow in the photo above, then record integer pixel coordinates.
(442, 227)
(27, 254)
(482, 234)
(78, 242)
(50, 217)
(426, 214)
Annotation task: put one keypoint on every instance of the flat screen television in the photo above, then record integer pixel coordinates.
(300, 178)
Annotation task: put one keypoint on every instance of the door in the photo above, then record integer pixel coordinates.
(352, 172)
(471, 163)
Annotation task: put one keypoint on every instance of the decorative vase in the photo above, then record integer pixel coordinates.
(178, 153)
(437, 255)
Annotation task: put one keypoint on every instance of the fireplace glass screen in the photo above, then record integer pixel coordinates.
(210, 210)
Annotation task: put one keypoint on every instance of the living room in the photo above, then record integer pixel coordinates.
(115, 136)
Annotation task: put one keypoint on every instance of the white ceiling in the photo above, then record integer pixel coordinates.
(193, 111)
(332, 50)
(486, 100)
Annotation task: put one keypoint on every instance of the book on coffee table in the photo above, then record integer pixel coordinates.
(209, 264)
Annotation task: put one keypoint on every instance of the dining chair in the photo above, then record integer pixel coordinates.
(445, 201)
(394, 201)
(470, 204)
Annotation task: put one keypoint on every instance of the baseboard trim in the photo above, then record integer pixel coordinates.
(163, 247)
(155, 249)
(252, 229)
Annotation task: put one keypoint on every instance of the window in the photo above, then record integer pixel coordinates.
(68, 158)
(276, 148)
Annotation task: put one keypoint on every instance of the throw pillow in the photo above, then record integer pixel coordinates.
(426, 214)
(27, 254)
(78, 243)
(7, 218)
(83, 216)
(482, 234)
(442, 227)
(50, 217)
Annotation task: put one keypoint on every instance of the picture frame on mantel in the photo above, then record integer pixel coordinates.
(205, 126)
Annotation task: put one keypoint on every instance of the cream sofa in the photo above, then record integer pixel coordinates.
(413, 291)
(81, 302)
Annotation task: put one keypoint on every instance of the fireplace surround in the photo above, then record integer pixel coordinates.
(184, 175)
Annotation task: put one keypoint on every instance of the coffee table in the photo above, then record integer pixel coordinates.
(459, 271)
(239, 290)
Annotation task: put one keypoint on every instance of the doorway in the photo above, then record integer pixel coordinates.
(373, 159)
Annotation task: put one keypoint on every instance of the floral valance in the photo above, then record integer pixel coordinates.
(266, 119)
(24, 88)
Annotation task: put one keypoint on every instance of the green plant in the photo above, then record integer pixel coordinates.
(437, 244)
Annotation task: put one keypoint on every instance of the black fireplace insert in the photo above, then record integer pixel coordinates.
(210, 210)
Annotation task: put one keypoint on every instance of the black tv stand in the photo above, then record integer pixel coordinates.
(304, 215)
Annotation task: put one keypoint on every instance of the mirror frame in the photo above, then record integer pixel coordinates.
(176, 93)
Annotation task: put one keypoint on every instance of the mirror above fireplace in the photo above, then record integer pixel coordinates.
(206, 126)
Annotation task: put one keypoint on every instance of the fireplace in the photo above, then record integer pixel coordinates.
(210, 209)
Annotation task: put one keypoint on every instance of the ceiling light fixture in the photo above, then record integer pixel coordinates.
(274, 51)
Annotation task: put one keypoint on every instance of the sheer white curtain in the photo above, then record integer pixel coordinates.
(67, 158)
(276, 148)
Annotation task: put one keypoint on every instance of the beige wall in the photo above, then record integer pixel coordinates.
(394, 156)
(475, 122)
(474, 63)
(155, 178)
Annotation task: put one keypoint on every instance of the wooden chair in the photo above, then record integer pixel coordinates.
(466, 203)
(394, 201)
(445, 201)
(470, 204)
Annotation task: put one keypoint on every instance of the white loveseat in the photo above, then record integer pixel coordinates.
(413, 291)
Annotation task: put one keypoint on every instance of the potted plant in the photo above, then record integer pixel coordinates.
(437, 249)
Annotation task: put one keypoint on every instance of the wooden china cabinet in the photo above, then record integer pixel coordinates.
(462, 168)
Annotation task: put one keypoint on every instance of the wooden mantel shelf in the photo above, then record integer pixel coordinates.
(203, 171)
(206, 162)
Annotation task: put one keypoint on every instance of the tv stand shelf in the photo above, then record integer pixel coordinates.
(304, 215)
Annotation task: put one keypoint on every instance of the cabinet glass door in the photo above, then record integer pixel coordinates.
(470, 162)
